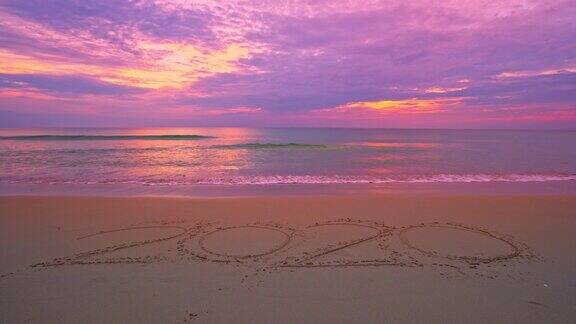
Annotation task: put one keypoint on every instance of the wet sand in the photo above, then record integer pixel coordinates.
(364, 258)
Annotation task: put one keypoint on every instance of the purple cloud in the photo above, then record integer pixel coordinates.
(293, 58)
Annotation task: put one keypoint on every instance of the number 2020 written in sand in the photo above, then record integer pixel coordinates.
(339, 243)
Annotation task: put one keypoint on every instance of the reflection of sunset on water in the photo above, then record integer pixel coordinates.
(216, 156)
(175, 160)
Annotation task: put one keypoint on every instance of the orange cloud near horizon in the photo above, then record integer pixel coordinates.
(410, 106)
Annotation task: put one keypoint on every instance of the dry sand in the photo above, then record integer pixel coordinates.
(373, 258)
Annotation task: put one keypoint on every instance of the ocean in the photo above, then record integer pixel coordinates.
(173, 160)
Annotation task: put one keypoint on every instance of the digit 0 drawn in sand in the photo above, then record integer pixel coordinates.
(256, 240)
(379, 232)
(235, 243)
(466, 244)
(95, 256)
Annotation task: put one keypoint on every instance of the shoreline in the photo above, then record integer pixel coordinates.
(289, 190)
(305, 197)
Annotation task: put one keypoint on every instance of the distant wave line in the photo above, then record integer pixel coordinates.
(269, 146)
(102, 137)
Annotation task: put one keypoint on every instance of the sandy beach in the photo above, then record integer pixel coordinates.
(363, 258)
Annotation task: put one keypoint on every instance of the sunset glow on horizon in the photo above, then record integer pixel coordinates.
(357, 63)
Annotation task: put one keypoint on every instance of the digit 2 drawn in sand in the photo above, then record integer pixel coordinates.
(95, 256)
(310, 258)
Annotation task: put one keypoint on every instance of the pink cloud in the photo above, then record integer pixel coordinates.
(361, 62)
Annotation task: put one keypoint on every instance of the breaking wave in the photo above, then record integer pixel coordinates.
(303, 179)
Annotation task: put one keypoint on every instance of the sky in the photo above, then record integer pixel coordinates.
(288, 63)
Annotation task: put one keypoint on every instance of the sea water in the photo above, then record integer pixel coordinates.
(180, 158)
